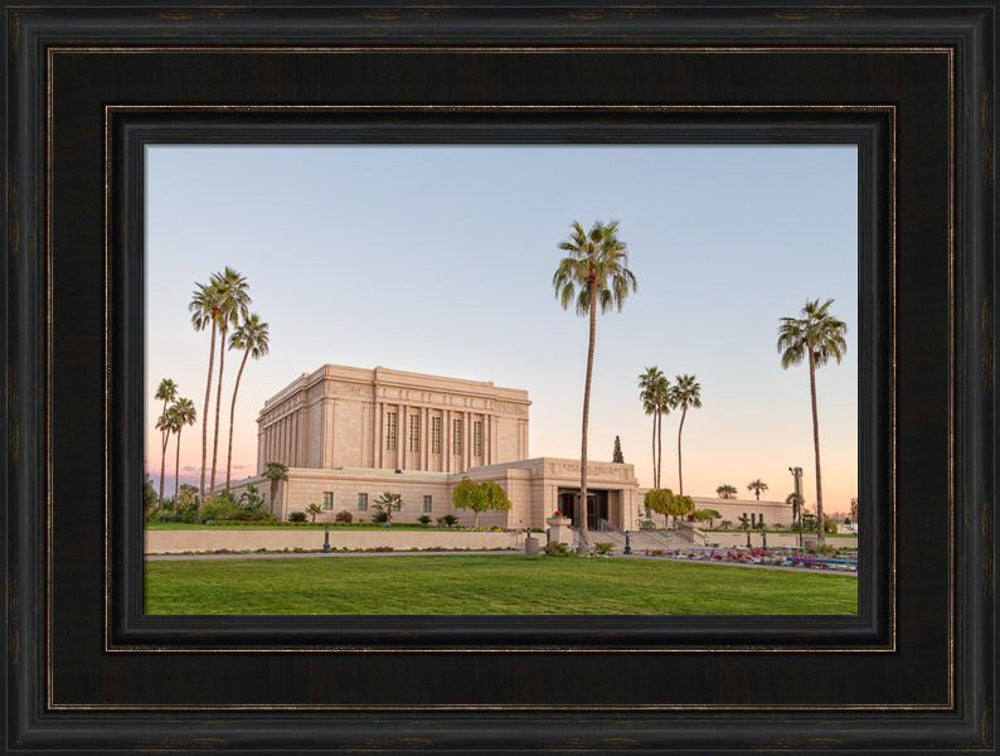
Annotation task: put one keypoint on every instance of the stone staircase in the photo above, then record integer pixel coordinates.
(640, 540)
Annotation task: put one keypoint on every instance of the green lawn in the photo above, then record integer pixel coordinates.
(280, 526)
(486, 585)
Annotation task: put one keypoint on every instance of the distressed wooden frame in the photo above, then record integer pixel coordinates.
(931, 395)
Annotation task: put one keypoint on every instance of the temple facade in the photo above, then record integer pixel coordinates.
(348, 435)
(386, 419)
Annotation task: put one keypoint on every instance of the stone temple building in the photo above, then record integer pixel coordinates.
(350, 434)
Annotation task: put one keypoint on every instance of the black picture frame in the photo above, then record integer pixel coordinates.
(87, 86)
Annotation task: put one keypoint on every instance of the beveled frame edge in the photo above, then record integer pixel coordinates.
(26, 723)
(876, 236)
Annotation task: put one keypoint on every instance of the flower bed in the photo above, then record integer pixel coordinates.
(781, 557)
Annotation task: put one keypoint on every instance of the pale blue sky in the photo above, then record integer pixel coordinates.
(439, 259)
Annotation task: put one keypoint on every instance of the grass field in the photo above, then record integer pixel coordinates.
(292, 525)
(486, 585)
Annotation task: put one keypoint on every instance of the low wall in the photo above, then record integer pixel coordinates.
(277, 539)
(739, 538)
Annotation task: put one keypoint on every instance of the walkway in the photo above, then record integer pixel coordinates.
(314, 554)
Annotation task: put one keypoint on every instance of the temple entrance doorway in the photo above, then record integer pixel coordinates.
(597, 505)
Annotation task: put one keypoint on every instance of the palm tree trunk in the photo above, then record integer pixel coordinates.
(680, 466)
(204, 416)
(164, 439)
(586, 419)
(163, 464)
(177, 466)
(659, 452)
(232, 416)
(218, 406)
(654, 450)
(820, 530)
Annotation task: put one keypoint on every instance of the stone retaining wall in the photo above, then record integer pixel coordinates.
(739, 538)
(278, 539)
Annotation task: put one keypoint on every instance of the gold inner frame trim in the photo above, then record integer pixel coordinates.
(948, 51)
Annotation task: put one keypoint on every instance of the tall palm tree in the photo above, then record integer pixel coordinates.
(684, 395)
(181, 413)
(661, 397)
(204, 307)
(251, 336)
(166, 392)
(648, 382)
(758, 487)
(234, 306)
(594, 274)
(816, 337)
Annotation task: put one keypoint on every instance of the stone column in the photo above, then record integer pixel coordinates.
(488, 438)
(424, 439)
(379, 436)
(402, 436)
(467, 432)
(446, 432)
(296, 440)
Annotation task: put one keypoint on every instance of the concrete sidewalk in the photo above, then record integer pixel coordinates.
(320, 554)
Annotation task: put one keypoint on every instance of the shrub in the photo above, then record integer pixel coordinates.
(185, 504)
(297, 517)
(826, 550)
(380, 515)
(344, 516)
(448, 520)
(218, 508)
(557, 548)
(603, 548)
(424, 519)
(725, 525)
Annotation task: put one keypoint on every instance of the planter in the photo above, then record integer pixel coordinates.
(559, 521)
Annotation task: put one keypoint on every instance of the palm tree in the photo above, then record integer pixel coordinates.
(387, 502)
(595, 274)
(251, 336)
(166, 392)
(234, 305)
(758, 487)
(163, 426)
(648, 384)
(312, 510)
(181, 412)
(685, 394)
(815, 337)
(204, 307)
(275, 472)
(726, 491)
(661, 397)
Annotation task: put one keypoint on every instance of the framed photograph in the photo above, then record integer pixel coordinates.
(497, 378)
